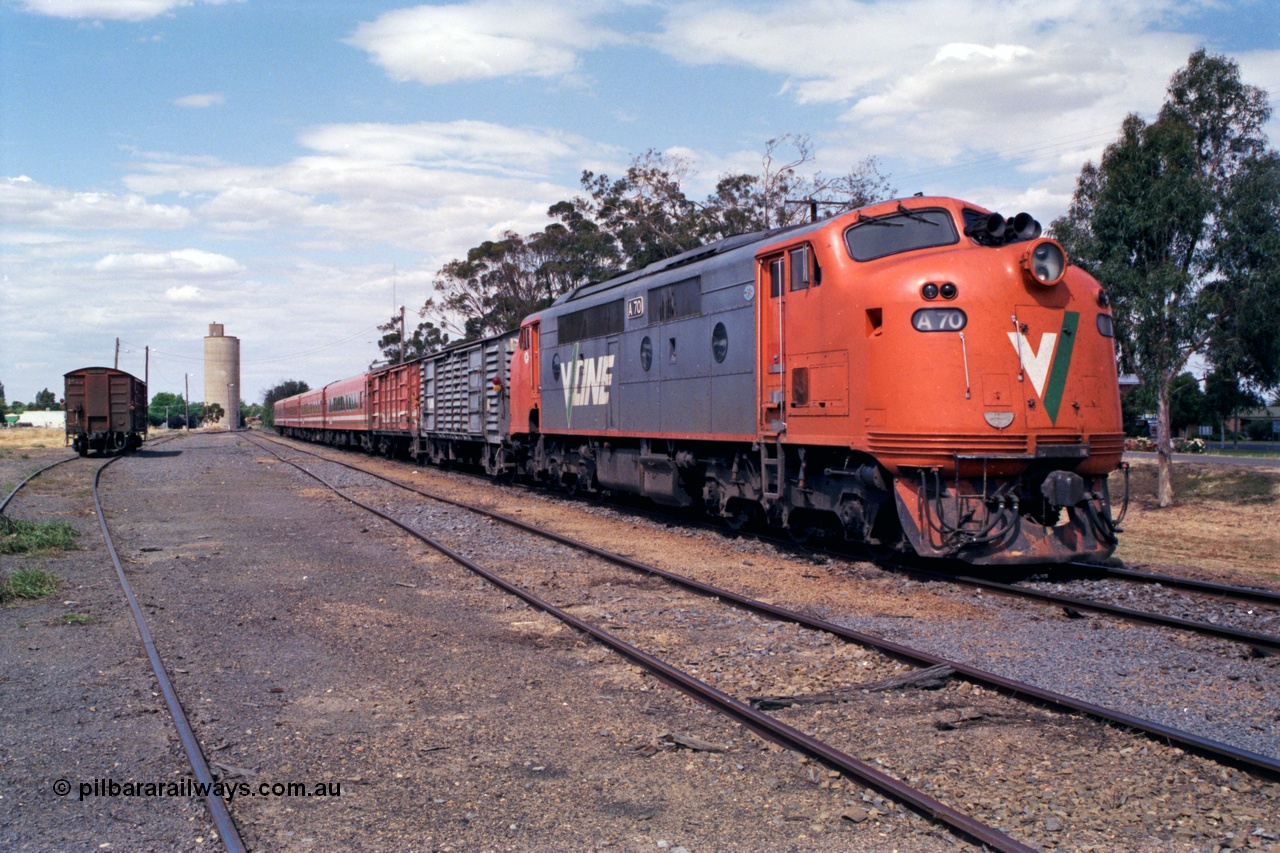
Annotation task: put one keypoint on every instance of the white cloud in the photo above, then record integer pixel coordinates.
(484, 39)
(180, 263)
(183, 293)
(113, 10)
(437, 188)
(459, 144)
(28, 203)
(935, 80)
(209, 99)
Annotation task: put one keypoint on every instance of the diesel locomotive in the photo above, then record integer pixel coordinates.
(920, 373)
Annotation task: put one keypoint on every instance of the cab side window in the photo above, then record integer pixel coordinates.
(777, 274)
(805, 272)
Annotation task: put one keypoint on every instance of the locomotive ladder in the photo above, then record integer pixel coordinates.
(772, 469)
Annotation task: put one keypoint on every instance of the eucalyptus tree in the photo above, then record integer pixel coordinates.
(1179, 223)
(281, 390)
(643, 216)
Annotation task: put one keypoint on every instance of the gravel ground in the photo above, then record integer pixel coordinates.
(1208, 687)
(311, 643)
(1259, 617)
(78, 701)
(980, 631)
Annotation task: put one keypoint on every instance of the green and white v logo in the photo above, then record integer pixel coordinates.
(1048, 363)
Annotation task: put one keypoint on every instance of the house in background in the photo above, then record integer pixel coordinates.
(42, 420)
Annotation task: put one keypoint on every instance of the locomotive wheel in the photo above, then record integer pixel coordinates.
(741, 514)
(799, 535)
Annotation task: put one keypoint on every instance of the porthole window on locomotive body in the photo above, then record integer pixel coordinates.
(720, 343)
(555, 367)
(646, 354)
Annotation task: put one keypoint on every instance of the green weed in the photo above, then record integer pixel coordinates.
(28, 583)
(26, 537)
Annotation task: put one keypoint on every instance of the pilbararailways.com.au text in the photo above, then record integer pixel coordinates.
(191, 788)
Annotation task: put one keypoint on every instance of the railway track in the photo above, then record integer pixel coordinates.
(1263, 643)
(1264, 765)
(1219, 590)
(218, 812)
(1206, 746)
(32, 476)
(1258, 642)
(861, 719)
(761, 723)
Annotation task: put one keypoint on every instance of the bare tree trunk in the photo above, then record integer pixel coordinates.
(1164, 449)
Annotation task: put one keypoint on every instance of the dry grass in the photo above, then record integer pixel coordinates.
(1223, 519)
(30, 438)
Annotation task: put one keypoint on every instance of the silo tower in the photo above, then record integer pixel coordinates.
(222, 375)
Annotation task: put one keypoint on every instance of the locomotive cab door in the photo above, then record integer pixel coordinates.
(771, 291)
(525, 392)
(784, 280)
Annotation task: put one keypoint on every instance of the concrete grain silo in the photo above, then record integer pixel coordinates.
(222, 375)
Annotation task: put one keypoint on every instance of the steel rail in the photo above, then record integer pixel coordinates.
(1209, 747)
(1247, 593)
(33, 475)
(1248, 638)
(37, 473)
(758, 721)
(222, 821)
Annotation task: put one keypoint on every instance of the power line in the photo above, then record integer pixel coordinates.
(174, 356)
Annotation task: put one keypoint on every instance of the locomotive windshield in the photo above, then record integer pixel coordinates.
(903, 231)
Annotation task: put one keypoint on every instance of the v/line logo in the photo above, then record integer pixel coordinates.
(1047, 366)
(586, 382)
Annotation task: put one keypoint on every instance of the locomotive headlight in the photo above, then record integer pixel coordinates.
(1044, 262)
(929, 291)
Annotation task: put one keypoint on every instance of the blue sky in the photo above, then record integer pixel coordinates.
(294, 170)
